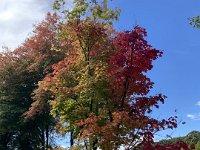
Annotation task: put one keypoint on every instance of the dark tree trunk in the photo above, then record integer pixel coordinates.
(94, 144)
(71, 139)
(47, 137)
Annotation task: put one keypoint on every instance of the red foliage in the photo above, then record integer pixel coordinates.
(180, 145)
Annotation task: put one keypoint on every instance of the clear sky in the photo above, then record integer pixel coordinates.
(176, 74)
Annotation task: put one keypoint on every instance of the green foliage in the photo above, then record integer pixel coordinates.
(195, 21)
(197, 146)
(96, 10)
(16, 85)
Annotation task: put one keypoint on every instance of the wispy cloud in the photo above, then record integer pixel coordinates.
(194, 116)
(17, 19)
(198, 103)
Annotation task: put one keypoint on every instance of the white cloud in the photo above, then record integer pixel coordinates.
(198, 103)
(194, 116)
(17, 19)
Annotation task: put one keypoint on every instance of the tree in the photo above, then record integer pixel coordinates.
(16, 84)
(20, 72)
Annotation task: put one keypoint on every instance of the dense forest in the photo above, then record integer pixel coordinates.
(76, 75)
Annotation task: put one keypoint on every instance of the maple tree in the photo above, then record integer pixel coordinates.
(20, 70)
(100, 89)
(40, 50)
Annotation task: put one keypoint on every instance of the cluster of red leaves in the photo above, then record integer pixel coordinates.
(38, 48)
(180, 145)
(131, 61)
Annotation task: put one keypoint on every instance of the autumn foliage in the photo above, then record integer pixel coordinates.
(86, 79)
(100, 89)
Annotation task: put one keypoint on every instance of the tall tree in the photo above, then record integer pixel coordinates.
(20, 72)
(16, 87)
(100, 89)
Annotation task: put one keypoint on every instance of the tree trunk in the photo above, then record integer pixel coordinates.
(94, 144)
(71, 139)
(47, 136)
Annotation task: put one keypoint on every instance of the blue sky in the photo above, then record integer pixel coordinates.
(176, 74)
